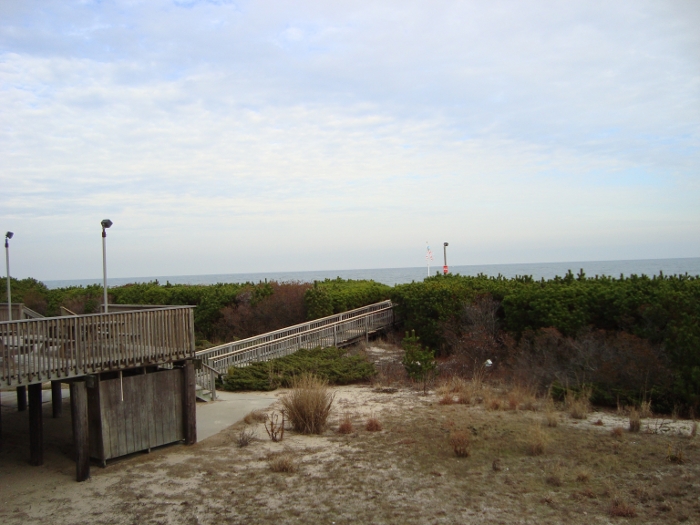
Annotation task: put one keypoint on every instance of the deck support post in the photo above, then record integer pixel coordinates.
(81, 436)
(36, 426)
(189, 403)
(21, 398)
(56, 398)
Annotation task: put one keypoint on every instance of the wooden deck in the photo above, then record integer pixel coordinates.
(336, 330)
(60, 348)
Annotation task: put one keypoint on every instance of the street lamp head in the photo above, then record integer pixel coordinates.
(446, 244)
(106, 223)
(9, 235)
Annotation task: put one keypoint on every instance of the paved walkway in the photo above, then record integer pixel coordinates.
(229, 408)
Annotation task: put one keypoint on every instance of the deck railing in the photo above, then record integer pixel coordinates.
(335, 330)
(51, 348)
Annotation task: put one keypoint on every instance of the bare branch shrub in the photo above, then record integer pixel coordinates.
(275, 427)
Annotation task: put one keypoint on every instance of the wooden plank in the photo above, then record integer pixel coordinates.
(81, 430)
(36, 426)
(142, 414)
(132, 392)
(189, 405)
(21, 398)
(150, 400)
(97, 445)
(56, 398)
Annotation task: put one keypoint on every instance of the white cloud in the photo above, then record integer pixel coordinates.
(316, 136)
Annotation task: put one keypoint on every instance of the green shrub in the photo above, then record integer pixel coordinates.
(330, 364)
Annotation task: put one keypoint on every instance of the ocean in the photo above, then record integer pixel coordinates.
(392, 276)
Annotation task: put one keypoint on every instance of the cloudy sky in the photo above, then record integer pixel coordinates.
(226, 137)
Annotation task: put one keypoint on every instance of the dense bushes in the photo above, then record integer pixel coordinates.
(333, 296)
(330, 364)
(623, 322)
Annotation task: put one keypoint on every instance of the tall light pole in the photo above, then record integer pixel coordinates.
(105, 224)
(8, 236)
(444, 250)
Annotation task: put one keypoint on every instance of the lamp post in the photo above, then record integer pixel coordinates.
(444, 250)
(105, 224)
(8, 236)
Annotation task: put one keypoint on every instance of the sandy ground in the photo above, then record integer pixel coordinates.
(405, 473)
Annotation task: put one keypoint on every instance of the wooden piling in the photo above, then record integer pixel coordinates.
(81, 436)
(36, 427)
(56, 398)
(21, 398)
(189, 403)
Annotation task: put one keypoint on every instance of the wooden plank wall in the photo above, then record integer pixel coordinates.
(150, 414)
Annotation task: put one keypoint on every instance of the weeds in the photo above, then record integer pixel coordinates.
(256, 416)
(447, 399)
(275, 427)
(675, 454)
(245, 438)
(373, 425)
(583, 476)
(617, 432)
(645, 410)
(460, 442)
(578, 404)
(537, 441)
(345, 426)
(308, 405)
(620, 508)
(283, 463)
(635, 421)
(694, 429)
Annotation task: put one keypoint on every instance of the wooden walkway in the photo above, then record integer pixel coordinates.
(336, 330)
(59, 348)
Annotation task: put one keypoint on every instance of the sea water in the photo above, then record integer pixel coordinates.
(392, 276)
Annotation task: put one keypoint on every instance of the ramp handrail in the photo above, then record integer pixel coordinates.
(334, 330)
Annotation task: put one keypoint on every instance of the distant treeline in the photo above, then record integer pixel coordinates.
(628, 338)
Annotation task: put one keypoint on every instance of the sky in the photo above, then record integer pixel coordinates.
(228, 137)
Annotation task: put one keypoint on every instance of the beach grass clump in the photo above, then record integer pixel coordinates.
(308, 404)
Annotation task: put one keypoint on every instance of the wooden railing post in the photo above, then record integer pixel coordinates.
(81, 436)
(56, 398)
(36, 426)
(21, 398)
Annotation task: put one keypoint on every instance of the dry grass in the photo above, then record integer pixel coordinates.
(373, 425)
(282, 463)
(245, 438)
(675, 454)
(537, 441)
(447, 399)
(256, 416)
(308, 405)
(578, 404)
(645, 409)
(694, 429)
(619, 508)
(345, 426)
(617, 432)
(635, 421)
(460, 442)
(583, 476)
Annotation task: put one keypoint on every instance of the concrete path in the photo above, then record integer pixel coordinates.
(229, 408)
